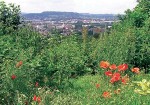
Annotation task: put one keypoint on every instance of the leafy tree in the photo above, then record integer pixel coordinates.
(9, 17)
(78, 25)
(140, 13)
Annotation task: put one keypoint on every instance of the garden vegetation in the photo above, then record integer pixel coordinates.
(75, 70)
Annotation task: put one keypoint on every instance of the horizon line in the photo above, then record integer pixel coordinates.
(75, 12)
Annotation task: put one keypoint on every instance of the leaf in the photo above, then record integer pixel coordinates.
(144, 81)
(145, 85)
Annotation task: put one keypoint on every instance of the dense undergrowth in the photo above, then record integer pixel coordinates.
(36, 69)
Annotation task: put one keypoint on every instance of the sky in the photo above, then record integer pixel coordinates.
(80, 6)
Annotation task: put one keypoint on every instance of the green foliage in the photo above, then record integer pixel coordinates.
(49, 61)
(13, 48)
(9, 17)
(84, 92)
(54, 61)
(139, 15)
(129, 39)
(142, 47)
(144, 86)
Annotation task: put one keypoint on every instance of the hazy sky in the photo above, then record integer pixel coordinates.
(81, 6)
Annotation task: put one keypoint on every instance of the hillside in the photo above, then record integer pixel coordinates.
(112, 69)
(66, 15)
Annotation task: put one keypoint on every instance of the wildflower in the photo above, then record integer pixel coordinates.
(125, 79)
(135, 70)
(38, 99)
(13, 77)
(115, 77)
(117, 91)
(113, 67)
(36, 84)
(104, 64)
(34, 98)
(97, 85)
(108, 73)
(19, 64)
(122, 67)
(106, 94)
(112, 80)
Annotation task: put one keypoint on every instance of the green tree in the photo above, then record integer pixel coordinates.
(9, 17)
(140, 13)
(78, 25)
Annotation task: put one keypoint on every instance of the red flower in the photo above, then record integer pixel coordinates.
(104, 64)
(36, 84)
(135, 70)
(13, 77)
(106, 94)
(97, 85)
(113, 67)
(122, 67)
(38, 99)
(115, 77)
(19, 64)
(112, 80)
(108, 73)
(34, 98)
(125, 79)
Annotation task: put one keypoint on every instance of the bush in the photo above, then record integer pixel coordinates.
(48, 61)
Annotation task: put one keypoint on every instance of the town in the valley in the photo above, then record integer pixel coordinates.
(66, 23)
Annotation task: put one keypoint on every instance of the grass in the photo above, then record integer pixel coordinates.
(84, 92)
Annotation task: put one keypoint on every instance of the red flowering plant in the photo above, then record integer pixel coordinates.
(36, 84)
(97, 85)
(115, 73)
(13, 76)
(104, 64)
(19, 64)
(122, 67)
(36, 98)
(106, 94)
(135, 70)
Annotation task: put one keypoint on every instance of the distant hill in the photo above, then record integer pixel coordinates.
(65, 15)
